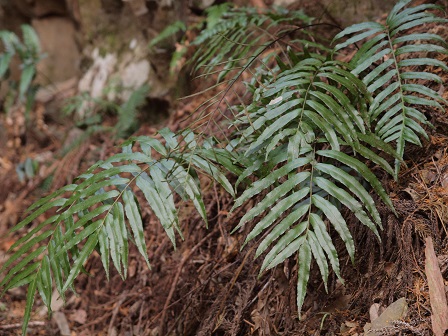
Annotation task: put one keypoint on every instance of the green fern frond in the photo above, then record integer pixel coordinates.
(312, 101)
(100, 211)
(127, 112)
(169, 31)
(29, 53)
(31, 41)
(312, 195)
(9, 41)
(308, 108)
(239, 37)
(395, 111)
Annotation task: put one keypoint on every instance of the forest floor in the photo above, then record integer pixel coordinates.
(207, 286)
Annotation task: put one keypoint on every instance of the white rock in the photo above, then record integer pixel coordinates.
(134, 76)
(96, 77)
(284, 3)
(166, 3)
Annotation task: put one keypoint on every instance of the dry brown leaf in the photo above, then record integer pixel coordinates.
(79, 316)
(437, 296)
(62, 323)
(375, 311)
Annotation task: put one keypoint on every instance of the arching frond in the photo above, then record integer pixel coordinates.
(239, 37)
(100, 211)
(306, 109)
(389, 63)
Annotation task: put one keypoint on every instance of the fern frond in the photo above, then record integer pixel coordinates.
(304, 94)
(100, 211)
(239, 37)
(29, 53)
(395, 111)
(305, 110)
(169, 31)
(31, 41)
(127, 112)
(9, 41)
(5, 60)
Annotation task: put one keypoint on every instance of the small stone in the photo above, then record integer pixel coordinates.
(395, 312)
(57, 37)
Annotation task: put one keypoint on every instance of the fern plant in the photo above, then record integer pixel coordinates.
(308, 135)
(307, 140)
(126, 112)
(29, 53)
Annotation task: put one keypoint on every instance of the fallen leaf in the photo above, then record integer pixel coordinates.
(351, 324)
(62, 323)
(56, 301)
(444, 181)
(374, 311)
(79, 316)
(437, 297)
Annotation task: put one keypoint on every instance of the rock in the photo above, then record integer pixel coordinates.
(395, 312)
(341, 12)
(58, 40)
(61, 90)
(49, 7)
(41, 8)
(112, 6)
(74, 10)
(201, 4)
(95, 79)
(135, 70)
(122, 74)
(166, 3)
(138, 7)
(134, 76)
(374, 311)
(284, 3)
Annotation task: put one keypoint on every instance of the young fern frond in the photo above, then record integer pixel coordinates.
(396, 112)
(8, 39)
(28, 51)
